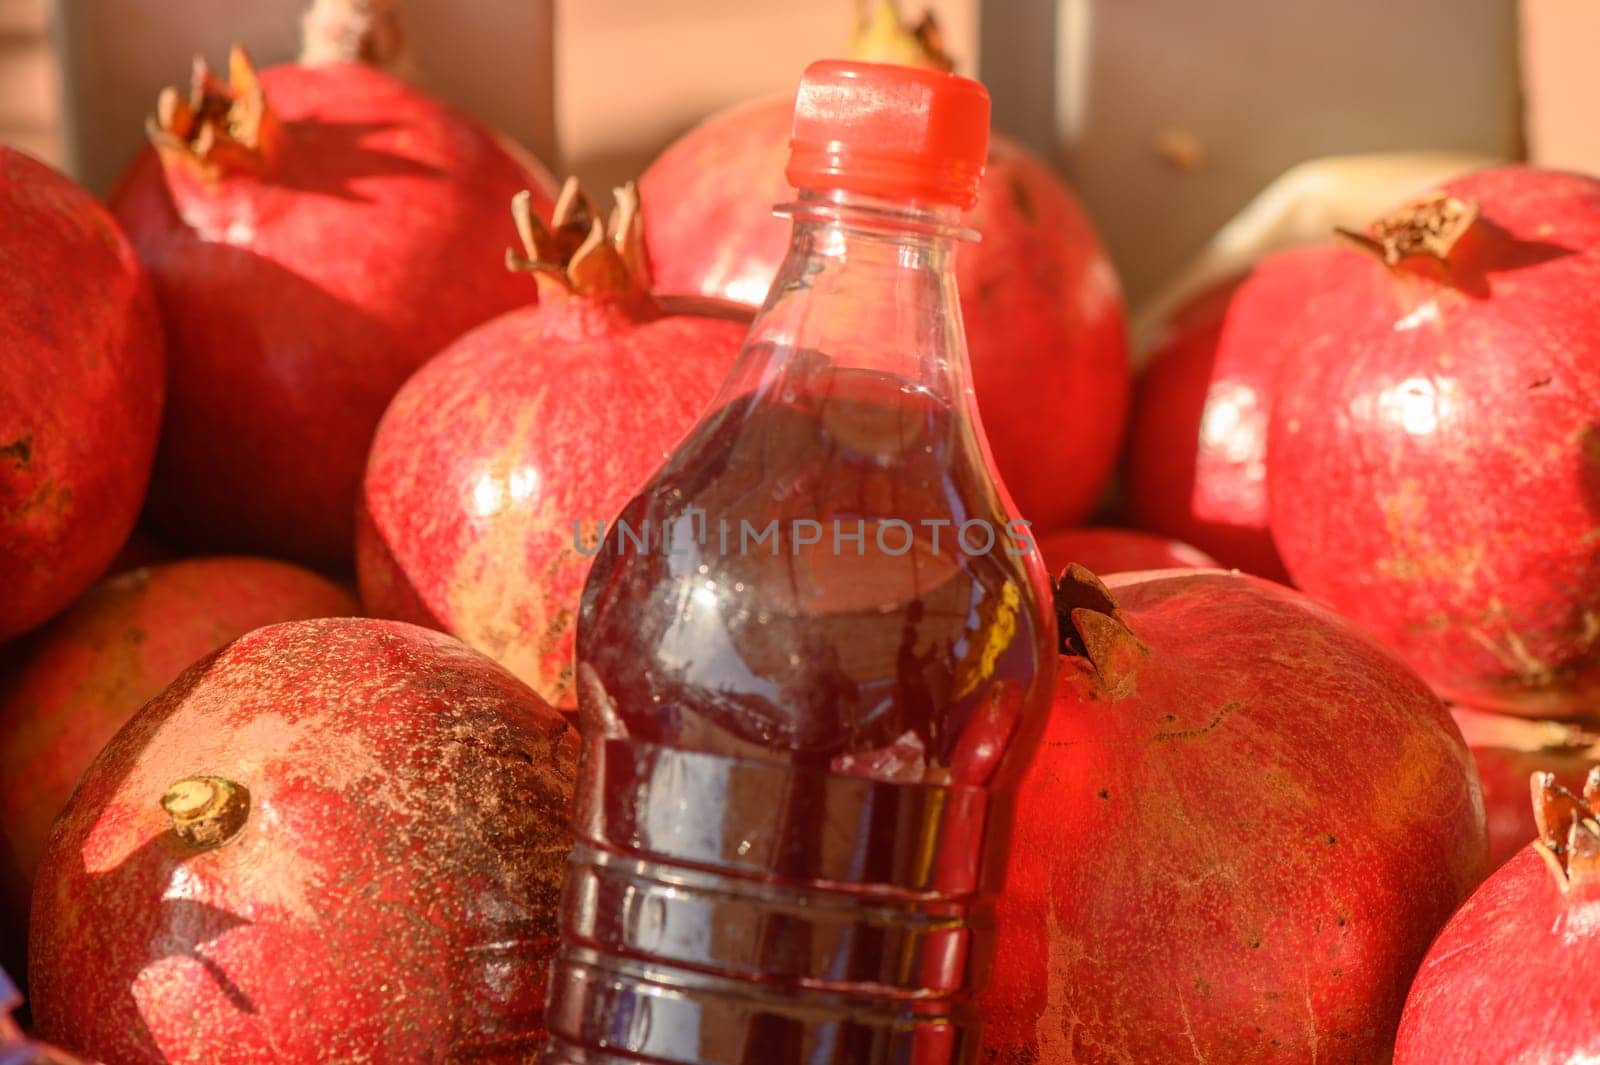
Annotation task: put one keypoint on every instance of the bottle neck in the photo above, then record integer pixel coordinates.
(870, 284)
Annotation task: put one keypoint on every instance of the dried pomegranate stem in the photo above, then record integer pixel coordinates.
(1569, 828)
(1091, 626)
(882, 35)
(579, 252)
(206, 812)
(1429, 227)
(216, 128)
(353, 31)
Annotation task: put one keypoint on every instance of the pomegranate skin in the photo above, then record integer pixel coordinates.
(83, 676)
(297, 301)
(390, 891)
(1104, 549)
(82, 361)
(1204, 866)
(1197, 439)
(1511, 978)
(1435, 458)
(1507, 751)
(1042, 305)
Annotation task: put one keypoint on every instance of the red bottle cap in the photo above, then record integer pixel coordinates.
(890, 131)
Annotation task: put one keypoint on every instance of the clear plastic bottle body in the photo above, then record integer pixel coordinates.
(815, 654)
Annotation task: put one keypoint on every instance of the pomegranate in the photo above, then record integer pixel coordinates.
(314, 234)
(85, 674)
(1205, 866)
(1197, 441)
(472, 511)
(1512, 976)
(1041, 303)
(1108, 550)
(1435, 453)
(332, 840)
(1507, 751)
(82, 365)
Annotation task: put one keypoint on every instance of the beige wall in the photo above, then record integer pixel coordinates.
(633, 74)
(1561, 77)
(592, 86)
(30, 114)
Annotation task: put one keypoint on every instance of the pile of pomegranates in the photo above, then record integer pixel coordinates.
(296, 331)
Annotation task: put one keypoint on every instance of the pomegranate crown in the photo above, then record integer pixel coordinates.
(217, 127)
(353, 31)
(1094, 632)
(581, 252)
(882, 35)
(1428, 227)
(1569, 829)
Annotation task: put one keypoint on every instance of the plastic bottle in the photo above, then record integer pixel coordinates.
(816, 651)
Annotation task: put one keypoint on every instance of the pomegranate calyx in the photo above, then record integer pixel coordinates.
(1569, 829)
(218, 128)
(882, 35)
(1428, 227)
(1092, 627)
(206, 812)
(352, 31)
(580, 252)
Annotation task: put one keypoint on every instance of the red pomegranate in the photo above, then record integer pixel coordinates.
(314, 235)
(1041, 303)
(81, 371)
(472, 511)
(1246, 822)
(1508, 750)
(1512, 976)
(83, 676)
(1435, 469)
(1197, 440)
(1109, 550)
(333, 840)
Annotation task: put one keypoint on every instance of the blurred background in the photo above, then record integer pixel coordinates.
(1167, 115)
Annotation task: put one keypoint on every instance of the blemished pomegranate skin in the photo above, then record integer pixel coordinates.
(1107, 549)
(479, 517)
(1197, 438)
(82, 372)
(304, 270)
(1511, 978)
(1042, 305)
(79, 679)
(1434, 468)
(332, 840)
(1245, 824)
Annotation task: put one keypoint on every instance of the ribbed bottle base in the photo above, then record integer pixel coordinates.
(606, 1010)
